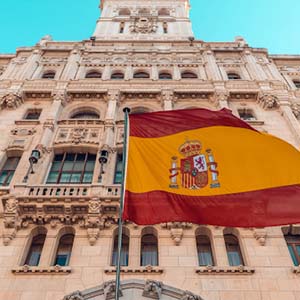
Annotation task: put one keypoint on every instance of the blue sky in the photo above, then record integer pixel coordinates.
(273, 24)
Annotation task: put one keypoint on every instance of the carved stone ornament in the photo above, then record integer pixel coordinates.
(143, 25)
(49, 123)
(152, 289)
(296, 109)
(176, 230)
(260, 234)
(268, 101)
(74, 296)
(110, 290)
(11, 205)
(222, 96)
(190, 296)
(11, 101)
(61, 96)
(94, 206)
(93, 235)
(78, 134)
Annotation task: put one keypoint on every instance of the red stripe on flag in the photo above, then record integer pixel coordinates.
(269, 207)
(158, 124)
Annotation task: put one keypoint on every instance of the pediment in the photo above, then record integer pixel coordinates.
(134, 290)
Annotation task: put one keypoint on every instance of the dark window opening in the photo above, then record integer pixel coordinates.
(48, 75)
(293, 243)
(64, 250)
(119, 169)
(75, 168)
(234, 253)
(86, 115)
(149, 250)
(165, 76)
(33, 114)
(233, 76)
(8, 170)
(297, 84)
(122, 26)
(124, 251)
(246, 114)
(188, 75)
(93, 74)
(141, 75)
(117, 75)
(205, 256)
(35, 251)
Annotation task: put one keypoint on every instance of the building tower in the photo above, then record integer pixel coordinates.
(144, 20)
(61, 105)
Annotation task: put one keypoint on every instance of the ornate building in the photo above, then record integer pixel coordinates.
(61, 104)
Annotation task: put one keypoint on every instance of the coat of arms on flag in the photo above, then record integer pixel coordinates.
(196, 169)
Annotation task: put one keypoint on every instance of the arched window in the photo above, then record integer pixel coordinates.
(297, 83)
(233, 76)
(149, 250)
(293, 243)
(124, 12)
(86, 114)
(64, 250)
(163, 12)
(124, 251)
(139, 110)
(117, 75)
(188, 75)
(205, 256)
(35, 250)
(93, 74)
(49, 75)
(141, 75)
(165, 76)
(233, 249)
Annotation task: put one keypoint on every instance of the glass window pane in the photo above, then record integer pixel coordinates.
(34, 258)
(90, 165)
(58, 157)
(118, 178)
(3, 176)
(234, 258)
(56, 166)
(9, 177)
(52, 177)
(294, 258)
(298, 249)
(68, 166)
(62, 260)
(70, 156)
(75, 178)
(81, 157)
(91, 157)
(78, 166)
(87, 177)
(11, 163)
(65, 178)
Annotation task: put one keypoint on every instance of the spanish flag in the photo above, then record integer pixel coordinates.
(209, 167)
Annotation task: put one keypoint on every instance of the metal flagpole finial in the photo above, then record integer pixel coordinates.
(126, 110)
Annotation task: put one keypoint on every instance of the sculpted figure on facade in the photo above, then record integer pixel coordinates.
(152, 289)
(268, 101)
(11, 101)
(144, 25)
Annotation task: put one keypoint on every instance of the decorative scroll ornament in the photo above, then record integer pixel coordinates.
(11, 101)
(143, 25)
(74, 296)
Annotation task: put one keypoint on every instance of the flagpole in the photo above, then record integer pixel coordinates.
(126, 111)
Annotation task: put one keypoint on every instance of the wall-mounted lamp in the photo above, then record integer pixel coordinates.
(103, 159)
(191, 39)
(33, 159)
(93, 39)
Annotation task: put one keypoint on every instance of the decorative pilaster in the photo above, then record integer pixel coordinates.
(222, 98)
(72, 65)
(211, 66)
(254, 68)
(167, 99)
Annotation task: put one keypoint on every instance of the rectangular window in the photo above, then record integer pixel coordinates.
(33, 114)
(72, 168)
(8, 170)
(119, 167)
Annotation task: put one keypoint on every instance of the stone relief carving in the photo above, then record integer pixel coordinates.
(152, 289)
(190, 296)
(23, 131)
(260, 235)
(268, 101)
(176, 230)
(78, 134)
(296, 109)
(144, 25)
(11, 101)
(74, 296)
(110, 290)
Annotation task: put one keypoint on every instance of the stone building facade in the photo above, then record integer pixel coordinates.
(61, 104)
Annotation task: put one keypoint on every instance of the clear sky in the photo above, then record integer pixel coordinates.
(272, 24)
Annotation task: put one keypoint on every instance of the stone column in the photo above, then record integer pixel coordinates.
(106, 73)
(135, 249)
(177, 74)
(253, 67)
(31, 65)
(274, 71)
(289, 113)
(154, 72)
(211, 66)
(128, 72)
(72, 65)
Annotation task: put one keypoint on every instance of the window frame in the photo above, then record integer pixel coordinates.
(151, 244)
(246, 112)
(98, 74)
(141, 75)
(70, 246)
(198, 236)
(293, 241)
(233, 76)
(33, 111)
(297, 83)
(46, 75)
(124, 250)
(60, 171)
(194, 75)
(30, 250)
(118, 77)
(239, 250)
(10, 172)
(168, 75)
